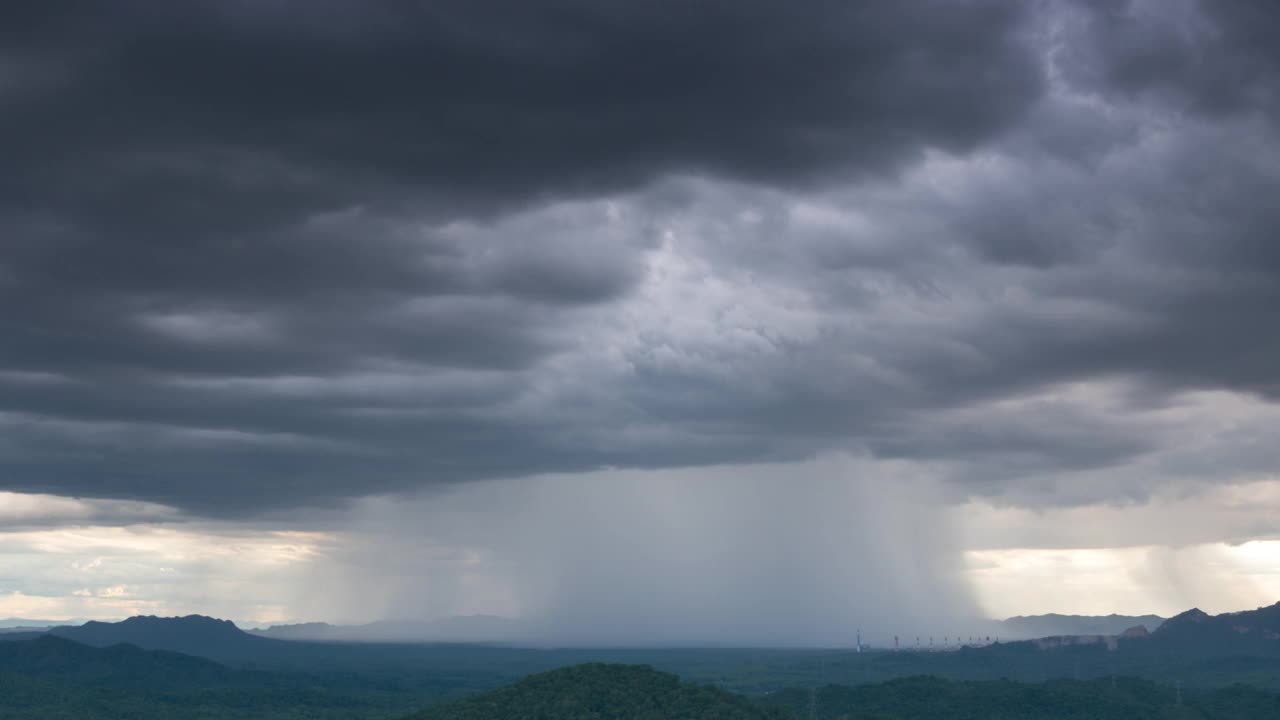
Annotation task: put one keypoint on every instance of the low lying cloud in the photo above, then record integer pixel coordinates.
(23, 511)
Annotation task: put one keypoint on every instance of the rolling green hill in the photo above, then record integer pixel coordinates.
(50, 678)
(120, 666)
(630, 692)
(597, 691)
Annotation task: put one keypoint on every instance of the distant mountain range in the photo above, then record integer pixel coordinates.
(1194, 631)
(456, 629)
(193, 635)
(8, 625)
(1027, 627)
(1192, 634)
(1202, 649)
(496, 629)
(68, 671)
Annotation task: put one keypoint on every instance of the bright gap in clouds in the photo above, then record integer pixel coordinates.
(1215, 577)
(111, 572)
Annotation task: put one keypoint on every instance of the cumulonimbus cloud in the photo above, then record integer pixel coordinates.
(250, 261)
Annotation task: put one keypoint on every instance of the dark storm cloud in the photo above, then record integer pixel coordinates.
(204, 153)
(199, 192)
(251, 258)
(1211, 57)
(493, 100)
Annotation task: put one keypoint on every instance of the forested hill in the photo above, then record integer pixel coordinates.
(597, 691)
(119, 666)
(1255, 629)
(630, 692)
(52, 678)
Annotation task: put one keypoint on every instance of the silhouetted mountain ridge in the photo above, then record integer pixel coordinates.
(1248, 630)
(193, 634)
(1027, 627)
(1213, 643)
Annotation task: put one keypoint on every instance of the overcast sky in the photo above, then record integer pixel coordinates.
(620, 314)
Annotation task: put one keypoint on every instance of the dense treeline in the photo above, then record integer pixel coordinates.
(25, 698)
(622, 692)
(53, 678)
(929, 698)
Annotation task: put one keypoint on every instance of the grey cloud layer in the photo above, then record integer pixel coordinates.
(487, 101)
(251, 259)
